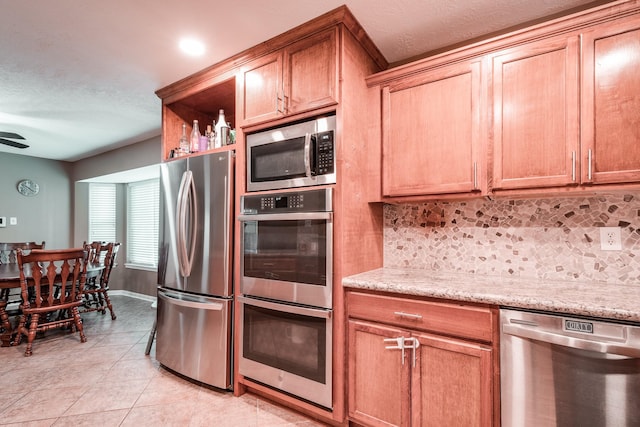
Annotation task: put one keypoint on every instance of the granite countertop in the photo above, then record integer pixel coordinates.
(603, 300)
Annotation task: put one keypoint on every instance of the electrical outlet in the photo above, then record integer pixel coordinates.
(610, 239)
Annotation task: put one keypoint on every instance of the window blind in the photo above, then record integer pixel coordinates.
(142, 223)
(102, 212)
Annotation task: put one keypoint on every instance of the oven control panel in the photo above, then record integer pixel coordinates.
(318, 200)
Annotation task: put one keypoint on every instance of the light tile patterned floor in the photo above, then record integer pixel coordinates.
(108, 381)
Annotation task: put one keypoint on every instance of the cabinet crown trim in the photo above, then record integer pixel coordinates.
(507, 38)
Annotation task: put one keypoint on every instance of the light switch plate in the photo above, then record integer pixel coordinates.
(13, 220)
(3, 221)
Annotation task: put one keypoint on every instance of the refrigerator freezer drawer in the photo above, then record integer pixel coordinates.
(194, 336)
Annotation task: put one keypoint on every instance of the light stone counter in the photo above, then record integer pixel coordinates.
(602, 300)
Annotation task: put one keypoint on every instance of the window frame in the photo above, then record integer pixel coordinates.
(149, 207)
(103, 212)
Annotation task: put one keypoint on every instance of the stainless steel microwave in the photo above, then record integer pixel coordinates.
(298, 155)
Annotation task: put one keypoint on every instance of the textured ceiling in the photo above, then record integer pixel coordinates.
(78, 77)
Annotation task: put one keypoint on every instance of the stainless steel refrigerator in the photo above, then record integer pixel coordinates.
(195, 285)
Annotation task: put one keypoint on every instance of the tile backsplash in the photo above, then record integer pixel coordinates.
(555, 238)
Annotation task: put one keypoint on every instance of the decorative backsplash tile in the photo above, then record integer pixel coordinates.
(555, 238)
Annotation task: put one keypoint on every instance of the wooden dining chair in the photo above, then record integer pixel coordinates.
(8, 250)
(96, 290)
(51, 285)
(8, 255)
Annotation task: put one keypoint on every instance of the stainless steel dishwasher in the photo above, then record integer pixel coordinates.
(568, 371)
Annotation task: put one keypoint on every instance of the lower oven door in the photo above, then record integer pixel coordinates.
(287, 347)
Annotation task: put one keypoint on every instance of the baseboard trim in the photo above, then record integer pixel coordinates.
(126, 293)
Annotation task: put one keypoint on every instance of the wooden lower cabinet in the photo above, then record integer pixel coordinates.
(451, 383)
(436, 380)
(379, 379)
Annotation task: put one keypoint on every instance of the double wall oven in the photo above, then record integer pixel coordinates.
(286, 286)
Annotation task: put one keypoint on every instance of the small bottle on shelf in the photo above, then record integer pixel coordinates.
(183, 146)
(195, 138)
(222, 130)
(204, 142)
(211, 143)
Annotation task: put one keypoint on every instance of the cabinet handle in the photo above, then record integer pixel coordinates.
(407, 315)
(573, 166)
(475, 175)
(278, 101)
(399, 345)
(589, 165)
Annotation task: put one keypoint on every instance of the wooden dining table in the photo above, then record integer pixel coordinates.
(10, 279)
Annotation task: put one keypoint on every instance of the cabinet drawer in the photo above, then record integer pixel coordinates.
(443, 318)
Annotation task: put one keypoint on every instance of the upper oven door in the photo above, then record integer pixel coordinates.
(288, 257)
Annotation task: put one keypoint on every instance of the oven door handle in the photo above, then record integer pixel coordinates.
(287, 216)
(566, 341)
(293, 309)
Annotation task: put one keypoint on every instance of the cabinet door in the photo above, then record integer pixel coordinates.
(611, 103)
(378, 377)
(431, 132)
(452, 383)
(311, 72)
(262, 89)
(535, 115)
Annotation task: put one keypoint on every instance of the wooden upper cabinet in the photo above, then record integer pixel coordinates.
(300, 77)
(432, 132)
(611, 103)
(311, 72)
(535, 90)
(262, 88)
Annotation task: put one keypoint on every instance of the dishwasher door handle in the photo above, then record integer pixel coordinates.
(566, 341)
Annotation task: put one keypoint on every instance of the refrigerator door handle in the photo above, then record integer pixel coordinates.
(187, 202)
(185, 301)
(180, 221)
(227, 240)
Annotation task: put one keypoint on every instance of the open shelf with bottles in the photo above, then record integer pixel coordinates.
(203, 106)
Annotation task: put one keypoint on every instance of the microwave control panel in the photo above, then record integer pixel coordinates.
(296, 201)
(324, 152)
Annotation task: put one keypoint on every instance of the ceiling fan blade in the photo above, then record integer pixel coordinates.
(13, 143)
(10, 135)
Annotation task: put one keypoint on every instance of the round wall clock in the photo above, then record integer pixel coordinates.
(27, 187)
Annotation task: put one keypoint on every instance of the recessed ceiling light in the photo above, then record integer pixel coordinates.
(192, 46)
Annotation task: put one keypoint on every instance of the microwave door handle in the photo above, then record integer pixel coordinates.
(307, 154)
